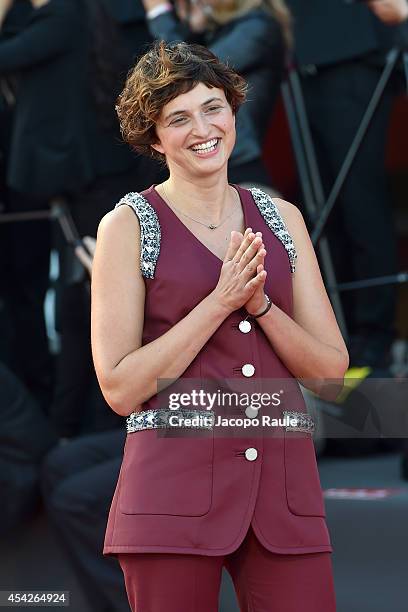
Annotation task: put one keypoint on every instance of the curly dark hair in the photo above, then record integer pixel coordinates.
(162, 74)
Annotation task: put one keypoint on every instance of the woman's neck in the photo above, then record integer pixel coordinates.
(207, 198)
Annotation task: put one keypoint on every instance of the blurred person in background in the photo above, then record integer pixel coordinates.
(15, 20)
(340, 50)
(78, 482)
(20, 453)
(68, 59)
(25, 141)
(117, 33)
(78, 477)
(49, 156)
(253, 36)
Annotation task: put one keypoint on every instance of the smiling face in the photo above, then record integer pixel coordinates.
(196, 131)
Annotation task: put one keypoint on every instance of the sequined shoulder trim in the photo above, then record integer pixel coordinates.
(274, 221)
(150, 232)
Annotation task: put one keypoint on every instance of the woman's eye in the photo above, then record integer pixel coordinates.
(178, 120)
(214, 108)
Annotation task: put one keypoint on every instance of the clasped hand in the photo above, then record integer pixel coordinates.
(242, 278)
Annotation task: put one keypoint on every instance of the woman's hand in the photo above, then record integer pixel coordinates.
(257, 303)
(242, 273)
(391, 12)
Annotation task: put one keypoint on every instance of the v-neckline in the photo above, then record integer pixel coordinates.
(190, 233)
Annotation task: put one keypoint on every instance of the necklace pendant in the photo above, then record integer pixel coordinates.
(212, 227)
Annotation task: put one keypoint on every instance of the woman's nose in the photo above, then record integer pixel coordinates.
(201, 125)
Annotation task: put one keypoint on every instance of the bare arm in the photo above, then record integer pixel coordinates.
(128, 372)
(310, 345)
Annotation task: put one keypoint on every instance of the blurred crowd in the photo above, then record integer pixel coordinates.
(62, 65)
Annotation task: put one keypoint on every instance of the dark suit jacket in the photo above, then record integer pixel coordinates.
(57, 145)
(48, 153)
(26, 436)
(331, 31)
(125, 11)
(17, 16)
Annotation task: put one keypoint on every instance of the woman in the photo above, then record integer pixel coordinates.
(200, 285)
(253, 36)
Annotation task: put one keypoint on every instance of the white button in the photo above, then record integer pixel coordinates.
(251, 454)
(248, 369)
(245, 326)
(251, 412)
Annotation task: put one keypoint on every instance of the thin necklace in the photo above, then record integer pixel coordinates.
(211, 226)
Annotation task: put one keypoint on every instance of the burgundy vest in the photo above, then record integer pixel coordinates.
(199, 496)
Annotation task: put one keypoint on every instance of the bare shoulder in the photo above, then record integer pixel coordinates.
(293, 219)
(290, 213)
(119, 221)
(119, 229)
(118, 241)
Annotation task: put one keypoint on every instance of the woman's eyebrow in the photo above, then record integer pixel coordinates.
(180, 112)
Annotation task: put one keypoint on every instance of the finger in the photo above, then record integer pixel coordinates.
(248, 230)
(233, 251)
(234, 244)
(256, 244)
(251, 267)
(258, 281)
(247, 241)
(250, 253)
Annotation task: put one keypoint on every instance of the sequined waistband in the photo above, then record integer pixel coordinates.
(160, 419)
(201, 419)
(304, 421)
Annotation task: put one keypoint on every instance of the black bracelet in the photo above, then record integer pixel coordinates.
(268, 307)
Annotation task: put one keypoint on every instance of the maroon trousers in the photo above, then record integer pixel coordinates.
(263, 581)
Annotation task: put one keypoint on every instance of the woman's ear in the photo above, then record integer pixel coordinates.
(157, 147)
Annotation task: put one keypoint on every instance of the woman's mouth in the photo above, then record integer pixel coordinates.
(206, 148)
